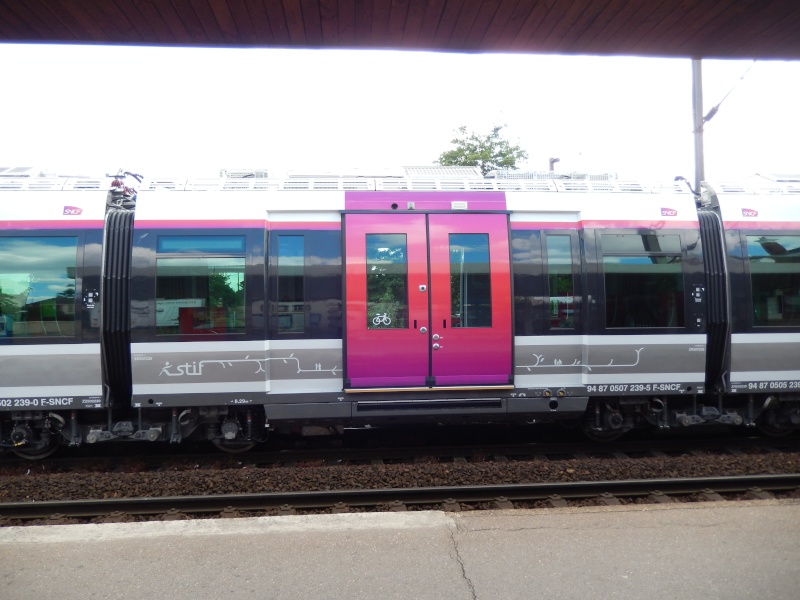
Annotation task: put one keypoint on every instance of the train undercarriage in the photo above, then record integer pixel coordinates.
(773, 415)
(38, 434)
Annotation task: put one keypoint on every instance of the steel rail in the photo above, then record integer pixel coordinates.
(539, 449)
(319, 500)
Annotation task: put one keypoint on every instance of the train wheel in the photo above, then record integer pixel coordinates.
(36, 453)
(771, 429)
(234, 446)
(775, 423)
(600, 435)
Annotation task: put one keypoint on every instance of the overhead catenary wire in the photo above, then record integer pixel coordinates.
(715, 109)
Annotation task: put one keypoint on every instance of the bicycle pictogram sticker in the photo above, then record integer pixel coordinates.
(382, 319)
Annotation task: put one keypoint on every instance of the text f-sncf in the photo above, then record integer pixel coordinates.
(669, 212)
(72, 210)
(749, 212)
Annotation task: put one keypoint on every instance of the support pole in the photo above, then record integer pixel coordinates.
(697, 109)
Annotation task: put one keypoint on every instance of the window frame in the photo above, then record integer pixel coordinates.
(240, 332)
(682, 310)
(533, 275)
(81, 323)
(323, 284)
(747, 291)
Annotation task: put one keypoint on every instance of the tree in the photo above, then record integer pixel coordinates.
(8, 303)
(221, 292)
(488, 152)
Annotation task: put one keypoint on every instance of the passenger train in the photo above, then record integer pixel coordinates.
(224, 309)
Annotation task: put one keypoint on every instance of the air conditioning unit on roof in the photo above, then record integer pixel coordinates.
(244, 173)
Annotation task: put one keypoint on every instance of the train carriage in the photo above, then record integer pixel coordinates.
(51, 236)
(221, 309)
(762, 237)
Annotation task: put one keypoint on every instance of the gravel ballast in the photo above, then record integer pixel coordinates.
(35, 485)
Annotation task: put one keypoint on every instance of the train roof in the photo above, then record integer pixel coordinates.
(68, 208)
(63, 202)
(776, 207)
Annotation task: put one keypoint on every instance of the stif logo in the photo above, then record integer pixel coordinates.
(72, 210)
(749, 212)
(669, 212)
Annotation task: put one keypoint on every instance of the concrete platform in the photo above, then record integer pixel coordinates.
(685, 551)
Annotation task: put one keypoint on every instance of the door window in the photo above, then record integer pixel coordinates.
(470, 280)
(387, 281)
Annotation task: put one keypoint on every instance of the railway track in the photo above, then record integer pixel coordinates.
(490, 451)
(501, 452)
(449, 498)
(449, 477)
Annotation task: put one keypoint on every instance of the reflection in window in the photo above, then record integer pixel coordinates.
(387, 281)
(643, 281)
(291, 301)
(198, 295)
(775, 279)
(305, 284)
(37, 286)
(526, 260)
(201, 244)
(470, 281)
(559, 278)
(626, 243)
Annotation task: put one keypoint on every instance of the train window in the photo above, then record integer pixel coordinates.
(560, 282)
(37, 286)
(470, 280)
(291, 266)
(775, 279)
(643, 280)
(305, 284)
(200, 293)
(201, 244)
(636, 244)
(387, 281)
(526, 265)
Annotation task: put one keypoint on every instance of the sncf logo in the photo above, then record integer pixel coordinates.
(749, 212)
(669, 212)
(72, 210)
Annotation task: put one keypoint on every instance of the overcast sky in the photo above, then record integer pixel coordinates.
(193, 111)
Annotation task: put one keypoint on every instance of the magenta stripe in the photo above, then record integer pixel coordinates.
(198, 224)
(237, 224)
(606, 225)
(317, 226)
(467, 379)
(75, 224)
(423, 200)
(777, 225)
(369, 382)
(545, 225)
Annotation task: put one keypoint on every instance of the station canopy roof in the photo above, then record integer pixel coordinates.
(762, 29)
